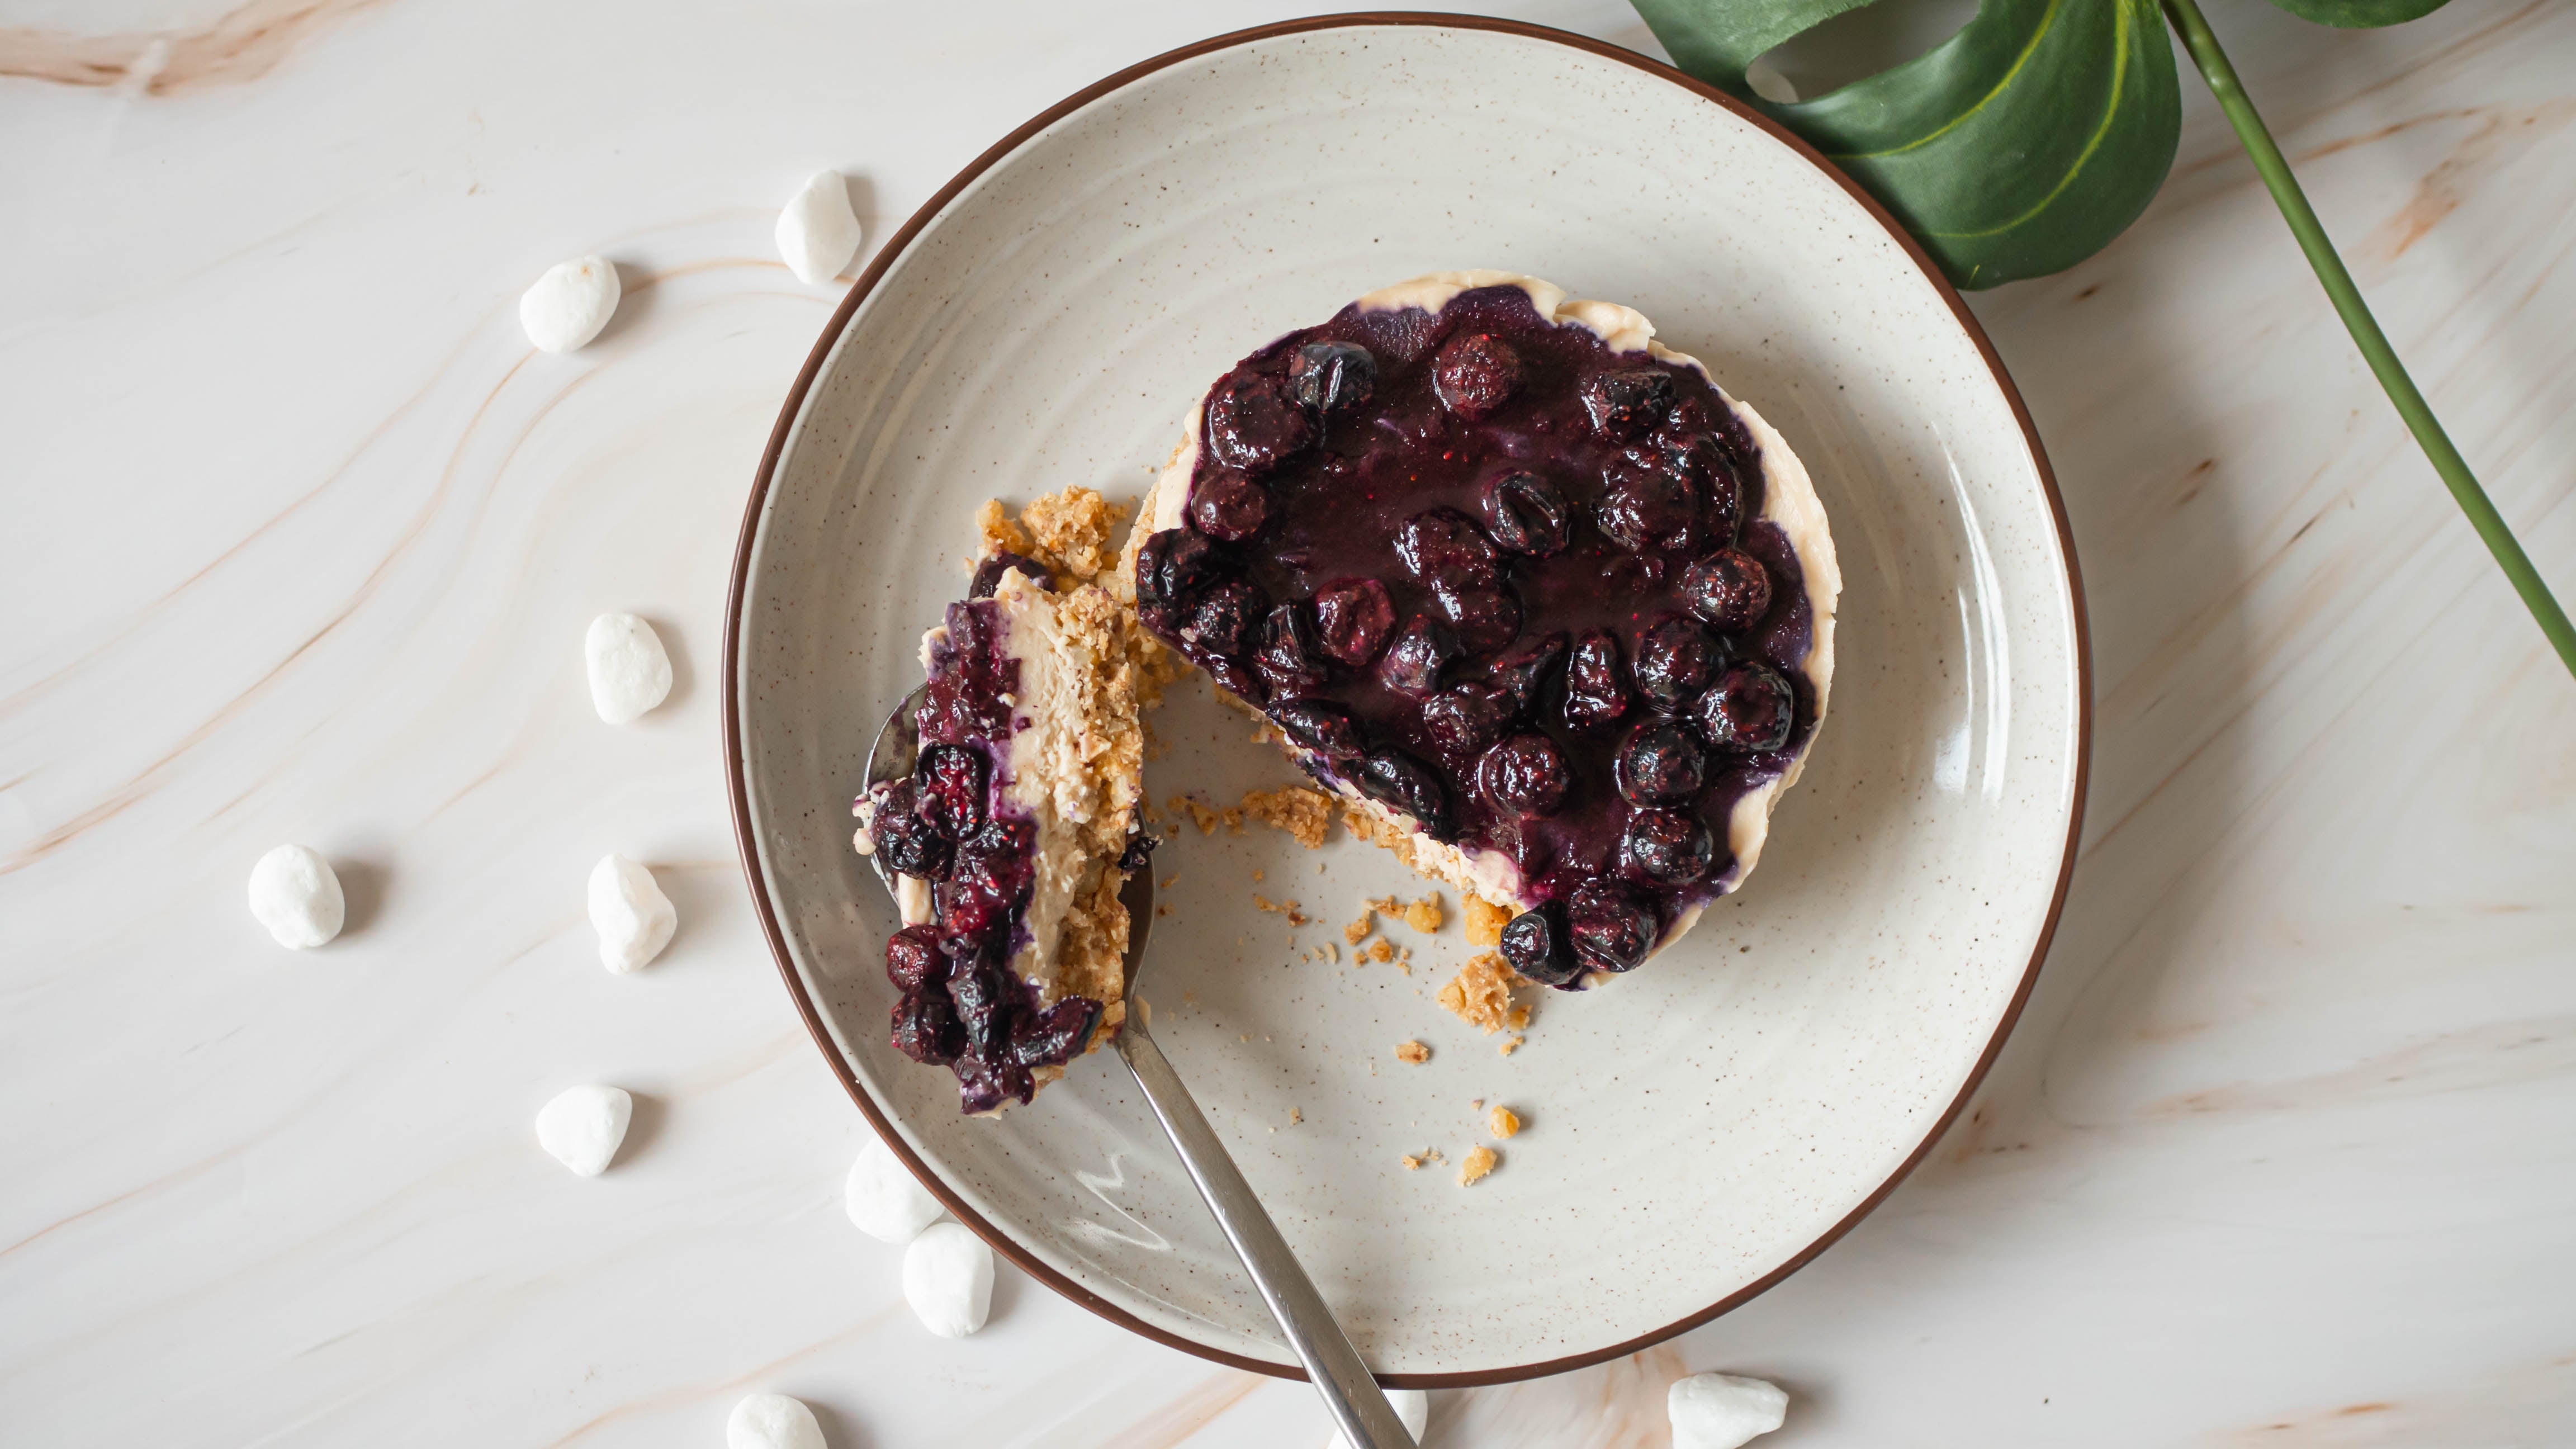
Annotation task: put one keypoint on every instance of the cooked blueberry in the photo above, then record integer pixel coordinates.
(1139, 851)
(925, 1029)
(1695, 453)
(988, 574)
(1628, 403)
(981, 995)
(1539, 947)
(1730, 589)
(1475, 374)
(1610, 929)
(1254, 424)
(1721, 511)
(1596, 681)
(988, 1076)
(1353, 618)
(912, 957)
(948, 784)
(1527, 775)
(1525, 513)
(1676, 659)
(1659, 764)
(1666, 847)
(903, 840)
(1484, 620)
(1323, 728)
(1174, 564)
(1464, 718)
(1392, 777)
(1233, 676)
(1331, 376)
(1288, 656)
(1444, 547)
(1648, 509)
(1229, 504)
(1052, 1037)
(1748, 711)
(1522, 670)
(1413, 662)
(967, 917)
(1221, 621)
(1000, 857)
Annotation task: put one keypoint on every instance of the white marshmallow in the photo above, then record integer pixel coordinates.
(1413, 1406)
(632, 916)
(1721, 1411)
(295, 895)
(818, 233)
(570, 303)
(884, 1200)
(772, 1421)
(629, 673)
(948, 1280)
(582, 1126)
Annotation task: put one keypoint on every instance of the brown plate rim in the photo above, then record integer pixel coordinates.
(739, 799)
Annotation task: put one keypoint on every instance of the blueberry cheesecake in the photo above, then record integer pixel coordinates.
(1550, 610)
(1011, 837)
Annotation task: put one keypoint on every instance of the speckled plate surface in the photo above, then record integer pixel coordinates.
(1693, 1132)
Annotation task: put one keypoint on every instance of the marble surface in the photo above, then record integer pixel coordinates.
(300, 541)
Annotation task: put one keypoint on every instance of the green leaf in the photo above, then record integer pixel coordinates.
(2016, 148)
(2359, 14)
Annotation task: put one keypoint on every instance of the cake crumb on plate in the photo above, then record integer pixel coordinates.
(1506, 1048)
(1425, 914)
(1503, 1120)
(1412, 1051)
(1481, 994)
(1485, 921)
(1306, 815)
(1479, 1161)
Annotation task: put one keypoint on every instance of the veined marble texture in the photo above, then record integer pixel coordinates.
(298, 539)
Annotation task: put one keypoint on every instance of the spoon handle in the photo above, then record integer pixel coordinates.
(1358, 1406)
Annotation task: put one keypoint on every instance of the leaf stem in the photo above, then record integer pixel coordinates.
(2446, 459)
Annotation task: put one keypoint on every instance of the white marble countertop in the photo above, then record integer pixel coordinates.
(2279, 1154)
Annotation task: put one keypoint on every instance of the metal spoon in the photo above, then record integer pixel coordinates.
(1350, 1393)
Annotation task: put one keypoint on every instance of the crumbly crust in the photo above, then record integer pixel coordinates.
(1481, 994)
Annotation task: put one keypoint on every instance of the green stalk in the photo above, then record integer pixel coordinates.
(2446, 460)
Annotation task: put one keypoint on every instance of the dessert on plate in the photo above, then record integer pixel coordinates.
(1547, 607)
(1012, 836)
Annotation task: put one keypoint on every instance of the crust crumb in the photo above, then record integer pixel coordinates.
(1485, 921)
(1504, 1121)
(1295, 916)
(1205, 816)
(1479, 1161)
(1295, 1117)
(1380, 951)
(1070, 532)
(1507, 1047)
(1360, 928)
(1518, 1017)
(1481, 994)
(997, 532)
(1411, 1164)
(1425, 914)
(1305, 814)
(1412, 1051)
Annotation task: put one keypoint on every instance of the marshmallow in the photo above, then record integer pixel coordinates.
(772, 1421)
(1720, 1411)
(632, 916)
(818, 233)
(1413, 1406)
(582, 1126)
(295, 895)
(569, 304)
(629, 673)
(884, 1200)
(948, 1280)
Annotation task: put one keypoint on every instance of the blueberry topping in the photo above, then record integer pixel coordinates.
(1139, 851)
(1596, 681)
(1629, 403)
(1522, 670)
(1353, 617)
(1289, 657)
(1464, 718)
(1659, 764)
(1527, 514)
(1666, 847)
(1325, 729)
(1701, 457)
(926, 1029)
(1444, 548)
(904, 841)
(1254, 424)
(1649, 510)
(1484, 620)
(1526, 775)
(1332, 377)
(948, 784)
(1730, 589)
(1748, 711)
(1229, 504)
(1611, 931)
(1475, 374)
(976, 987)
(1221, 621)
(913, 959)
(988, 1077)
(1676, 659)
(988, 574)
(1051, 1037)
(1393, 778)
(1174, 564)
(1413, 662)
(1540, 948)
(1233, 676)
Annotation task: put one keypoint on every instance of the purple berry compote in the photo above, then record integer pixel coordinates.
(1551, 610)
(1013, 834)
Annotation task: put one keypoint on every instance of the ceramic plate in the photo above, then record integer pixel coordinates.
(1695, 1131)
